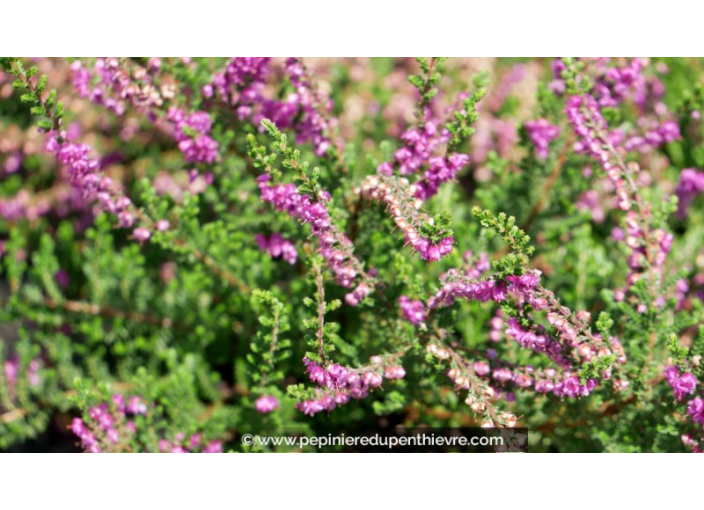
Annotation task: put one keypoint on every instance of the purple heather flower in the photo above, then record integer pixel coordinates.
(213, 447)
(681, 385)
(276, 246)
(690, 185)
(396, 372)
(266, 404)
(541, 133)
(62, 278)
(413, 310)
(695, 408)
(141, 234)
(136, 406)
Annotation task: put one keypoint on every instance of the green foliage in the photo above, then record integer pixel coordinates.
(199, 322)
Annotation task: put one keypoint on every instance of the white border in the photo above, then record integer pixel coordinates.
(363, 27)
(346, 481)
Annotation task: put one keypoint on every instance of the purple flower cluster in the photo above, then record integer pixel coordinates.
(490, 290)
(110, 78)
(333, 250)
(541, 133)
(661, 133)
(86, 177)
(413, 310)
(417, 152)
(419, 146)
(106, 422)
(616, 83)
(486, 290)
(690, 185)
(682, 385)
(242, 81)
(23, 205)
(315, 110)
(334, 247)
(11, 369)
(83, 170)
(634, 238)
(537, 342)
(340, 384)
(439, 171)
(192, 134)
(395, 372)
(266, 404)
(115, 86)
(195, 442)
(585, 117)
(110, 420)
(612, 85)
(284, 197)
(572, 388)
(276, 246)
(306, 110)
(358, 294)
(695, 408)
(475, 268)
(544, 381)
(88, 439)
(242, 85)
(427, 249)
(404, 209)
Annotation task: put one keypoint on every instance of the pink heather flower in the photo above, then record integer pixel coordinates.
(119, 401)
(572, 388)
(191, 133)
(276, 246)
(681, 385)
(112, 436)
(371, 379)
(396, 372)
(431, 252)
(544, 386)
(685, 385)
(88, 440)
(141, 234)
(695, 408)
(195, 440)
(541, 133)
(385, 169)
(481, 368)
(213, 447)
(502, 374)
(136, 406)
(162, 225)
(266, 404)
(585, 116)
(341, 398)
(413, 310)
(358, 294)
(78, 427)
(690, 185)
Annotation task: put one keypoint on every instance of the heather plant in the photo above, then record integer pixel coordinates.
(195, 249)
